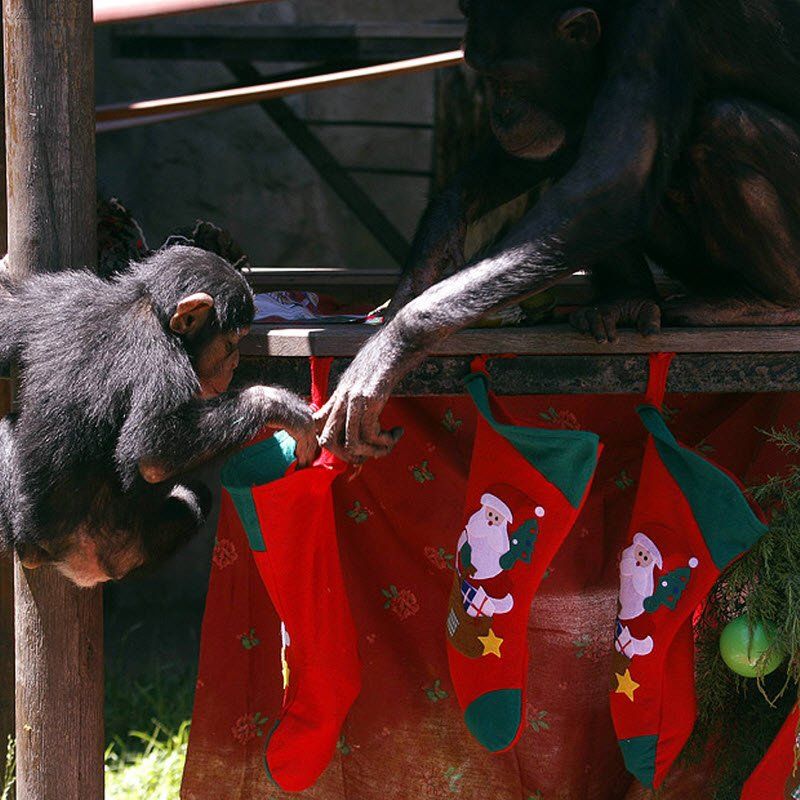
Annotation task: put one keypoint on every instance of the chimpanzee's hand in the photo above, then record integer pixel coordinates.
(286, 410)
(601, 321)
(348, 423)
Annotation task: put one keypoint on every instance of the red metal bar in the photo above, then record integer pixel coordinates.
(143, 112)
(108, 11)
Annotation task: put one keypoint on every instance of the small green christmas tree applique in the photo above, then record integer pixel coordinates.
(450, 422)
(359, 513)
(624, 480)
(435, 693)
(421, 472)
(249, 640)
(670, 588)
(523, 540)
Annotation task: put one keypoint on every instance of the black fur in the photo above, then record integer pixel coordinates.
(105, 383)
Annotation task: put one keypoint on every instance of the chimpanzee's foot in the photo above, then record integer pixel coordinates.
(602, 321)
(728, 311)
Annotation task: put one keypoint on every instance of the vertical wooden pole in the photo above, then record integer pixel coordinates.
(49, 79)
(6, 564)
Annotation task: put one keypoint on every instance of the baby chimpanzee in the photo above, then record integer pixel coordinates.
(124, 386)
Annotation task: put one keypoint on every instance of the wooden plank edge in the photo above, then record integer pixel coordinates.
(346, 340)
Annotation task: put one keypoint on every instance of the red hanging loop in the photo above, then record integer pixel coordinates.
(657, 379)
(481, 363)
(320, 372)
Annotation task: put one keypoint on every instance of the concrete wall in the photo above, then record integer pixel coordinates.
(235, 168)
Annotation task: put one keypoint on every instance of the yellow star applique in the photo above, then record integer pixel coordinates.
(491, 644)
(626, 685)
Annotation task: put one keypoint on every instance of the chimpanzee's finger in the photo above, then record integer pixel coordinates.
(305, 447)
(321, 417)
(356, 444)
(596, 326)
(649, 321)
(373, 432)
(352, 428)
(331, 435)
(610, 324)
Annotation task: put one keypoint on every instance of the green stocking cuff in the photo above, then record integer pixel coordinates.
(566, 458)
(260, 463)
(727, 522)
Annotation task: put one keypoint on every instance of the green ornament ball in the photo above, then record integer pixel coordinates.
(742, 647)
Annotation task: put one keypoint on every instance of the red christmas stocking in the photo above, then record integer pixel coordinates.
(778, 776)
(690, 520)
(525, 489)
(289, 521)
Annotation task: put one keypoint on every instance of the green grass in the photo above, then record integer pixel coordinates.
(147, 730)
(8, 772)
(153, 773)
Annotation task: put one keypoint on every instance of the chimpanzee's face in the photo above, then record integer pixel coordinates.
(542, 63)
(216, 360)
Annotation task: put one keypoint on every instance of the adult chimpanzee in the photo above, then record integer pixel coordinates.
(668, 127)
(125, 385)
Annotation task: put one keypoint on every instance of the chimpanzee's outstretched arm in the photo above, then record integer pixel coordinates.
(640, 117)
(161, 445)
(490, 179)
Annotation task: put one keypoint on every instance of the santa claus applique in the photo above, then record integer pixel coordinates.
(485, 554)
(640, 592)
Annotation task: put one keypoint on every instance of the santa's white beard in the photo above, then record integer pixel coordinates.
(494, 537)
(636, 583)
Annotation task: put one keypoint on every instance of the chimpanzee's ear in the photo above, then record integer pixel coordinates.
(191, 314)
(32, 556)
(580, 26)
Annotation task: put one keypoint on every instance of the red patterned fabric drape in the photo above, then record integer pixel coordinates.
(398, 522)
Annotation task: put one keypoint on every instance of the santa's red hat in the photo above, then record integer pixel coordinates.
(511, 503)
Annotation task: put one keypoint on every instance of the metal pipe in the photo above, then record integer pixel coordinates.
(109, 11)
(143, 112)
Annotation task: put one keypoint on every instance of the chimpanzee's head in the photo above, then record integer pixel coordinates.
(542, 62)
(207, 304)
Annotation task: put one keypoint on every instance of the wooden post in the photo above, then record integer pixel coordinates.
(49, 79)
(6, 564)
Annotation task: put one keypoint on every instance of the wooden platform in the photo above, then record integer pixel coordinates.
(549, 359)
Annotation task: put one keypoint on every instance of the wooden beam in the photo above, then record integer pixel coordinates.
(144, 111)
(49, 80)
(109, 11)
(346, 340)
